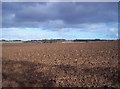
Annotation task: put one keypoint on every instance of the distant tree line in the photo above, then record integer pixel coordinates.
(46, 41)
(86, 40)
(54, 40)
(10, 40)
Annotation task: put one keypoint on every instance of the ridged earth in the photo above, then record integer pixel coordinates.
(82, 64)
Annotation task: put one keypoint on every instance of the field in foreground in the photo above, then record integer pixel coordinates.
(56, 65)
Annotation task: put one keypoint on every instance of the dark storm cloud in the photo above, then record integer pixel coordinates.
(57, 15)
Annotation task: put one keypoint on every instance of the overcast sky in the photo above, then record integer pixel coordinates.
(63, 20)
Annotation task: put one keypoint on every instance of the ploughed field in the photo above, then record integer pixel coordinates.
(60, 64)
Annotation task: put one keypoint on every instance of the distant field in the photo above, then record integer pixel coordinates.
(55, 65)
(68, 42)
(13, 42)
(82, 41)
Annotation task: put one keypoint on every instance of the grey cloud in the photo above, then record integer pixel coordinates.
(58, 14)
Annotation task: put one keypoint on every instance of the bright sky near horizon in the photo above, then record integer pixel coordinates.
(59, 20)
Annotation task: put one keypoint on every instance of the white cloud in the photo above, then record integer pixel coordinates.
(20, 33)
(113, 29)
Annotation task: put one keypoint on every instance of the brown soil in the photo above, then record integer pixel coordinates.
(60, 64)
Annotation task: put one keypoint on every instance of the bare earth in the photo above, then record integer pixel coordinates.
(60, 64)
